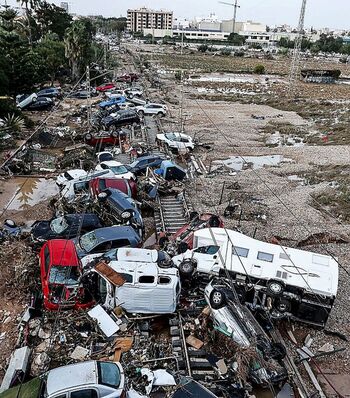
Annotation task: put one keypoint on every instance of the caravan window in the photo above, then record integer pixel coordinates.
(265, 257)
(146, 279)
(240, 251)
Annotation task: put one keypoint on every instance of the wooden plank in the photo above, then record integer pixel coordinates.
(109, 273)
(311, 373)
(194, 342)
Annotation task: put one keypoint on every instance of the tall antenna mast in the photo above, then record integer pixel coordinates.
(295, 66)
(235, 6)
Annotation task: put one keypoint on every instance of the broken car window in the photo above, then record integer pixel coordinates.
(58, 225)
(88, 241)
(63, 275)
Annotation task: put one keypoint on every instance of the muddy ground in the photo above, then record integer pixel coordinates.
(302, 193)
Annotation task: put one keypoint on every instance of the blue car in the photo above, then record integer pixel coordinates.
(104, 239)
(122, 209)
(111, 102)
(139, 166)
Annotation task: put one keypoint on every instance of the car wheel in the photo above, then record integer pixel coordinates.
(278, 351)
(193, 215)
(88, 137)
(131, 96)
(160, 114)
(214, 222)
(141, 113)
(275, 288)
(182, 247)
(186, 267)
(217, 299)
(114, 134)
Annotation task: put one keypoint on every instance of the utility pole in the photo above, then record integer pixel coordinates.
(89, 96)
(295, 66)
(235, 6)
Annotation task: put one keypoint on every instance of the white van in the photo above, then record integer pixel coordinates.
(133, 281)
(288, 282)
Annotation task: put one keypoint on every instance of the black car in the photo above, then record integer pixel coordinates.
(65, 227)
(41, 103)
(121, 118)
(51, 92)
(139, 166)
(121, 209)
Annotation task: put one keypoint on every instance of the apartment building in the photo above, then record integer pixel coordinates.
(144, 18)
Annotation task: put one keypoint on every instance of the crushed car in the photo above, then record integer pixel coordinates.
(140, 165)
(134, 281)
(60, 271)
(175, 141)
(121, 118)
(117, 168)
(105, 138)
(98, 185)
(64, 227)
(104, 239)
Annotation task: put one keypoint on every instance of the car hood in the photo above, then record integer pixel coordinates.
(41, 229)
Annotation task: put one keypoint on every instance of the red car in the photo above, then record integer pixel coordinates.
(198, 221)
(105, 87)
(128, 78)
(60, 271)
(105, 138)
(97, 185)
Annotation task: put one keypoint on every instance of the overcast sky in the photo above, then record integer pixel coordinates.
(319, 13)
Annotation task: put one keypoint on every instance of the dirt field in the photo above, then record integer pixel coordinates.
(305, 193)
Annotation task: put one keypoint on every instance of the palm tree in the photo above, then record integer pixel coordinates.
(33, 4)
(75, 45)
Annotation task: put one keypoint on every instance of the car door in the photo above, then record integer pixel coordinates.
(207, 258)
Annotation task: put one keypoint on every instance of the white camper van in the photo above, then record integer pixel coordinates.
(288, 282)
(133, 280)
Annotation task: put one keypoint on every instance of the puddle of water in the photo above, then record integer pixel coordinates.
(31, 191)
(232, 78)
(236, 163)
(279, 140)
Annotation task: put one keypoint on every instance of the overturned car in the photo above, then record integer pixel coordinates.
(286, 282)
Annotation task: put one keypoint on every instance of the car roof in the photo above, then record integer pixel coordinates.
(115, 232)
(137, 255)
(115, 182)
(63, 252)
(70, 376)
(111, 163)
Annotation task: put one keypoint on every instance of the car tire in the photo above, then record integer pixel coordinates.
(187, 267)
(114, 134)
(141, 113)
(193, 215)
(217, 299)
(160, 114)
(182, 247)
(275, 288)
(278, 351)
(131, 96)
(214, 221)
(88, 137)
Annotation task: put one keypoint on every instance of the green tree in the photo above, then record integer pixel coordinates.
(236, 39)
(52, 19)
(77, 44)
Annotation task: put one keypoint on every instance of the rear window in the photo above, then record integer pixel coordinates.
(108, 374)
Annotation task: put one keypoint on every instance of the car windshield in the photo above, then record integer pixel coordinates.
(108, 374)
(88, 241)
(170, 136)
(58, 225)
(119, 169)
(63, 275)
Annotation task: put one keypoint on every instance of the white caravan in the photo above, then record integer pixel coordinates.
(288, 282)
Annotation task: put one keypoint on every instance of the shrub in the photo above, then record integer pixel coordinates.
(259, 69)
